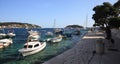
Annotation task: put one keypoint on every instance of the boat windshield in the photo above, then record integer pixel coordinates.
(29, 46)
(36, 45)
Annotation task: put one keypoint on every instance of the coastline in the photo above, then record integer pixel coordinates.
(17, 25)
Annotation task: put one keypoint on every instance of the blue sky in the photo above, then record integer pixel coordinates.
(43, 12)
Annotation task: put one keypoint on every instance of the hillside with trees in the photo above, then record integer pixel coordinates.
(74, 26)
(17, 25)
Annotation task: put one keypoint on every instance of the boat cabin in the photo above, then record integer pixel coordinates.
(32, 45)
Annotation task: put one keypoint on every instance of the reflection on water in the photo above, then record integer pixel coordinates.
(10, 55)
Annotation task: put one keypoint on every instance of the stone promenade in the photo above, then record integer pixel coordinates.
(84, 52)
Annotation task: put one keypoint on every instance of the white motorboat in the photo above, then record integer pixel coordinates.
(56, 39)
(33, 32)
(5, 42)
(2, 33)
(11, 33)
(57, 30)
(49, 34)
(34, 37)
(32, 48)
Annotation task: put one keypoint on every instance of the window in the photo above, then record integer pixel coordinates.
(29, 46)
(36, 45)
(25, 46)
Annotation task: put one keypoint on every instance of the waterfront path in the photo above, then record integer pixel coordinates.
(84, 52)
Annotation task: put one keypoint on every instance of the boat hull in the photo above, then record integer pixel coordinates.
(6, 43)
(26, 52)
(11, 35)
(56, 40)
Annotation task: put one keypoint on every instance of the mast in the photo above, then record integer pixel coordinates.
(54, 23)
(86, 22)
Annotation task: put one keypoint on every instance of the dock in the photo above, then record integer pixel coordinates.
(84, 52)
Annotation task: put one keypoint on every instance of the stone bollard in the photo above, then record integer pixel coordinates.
(99, 46)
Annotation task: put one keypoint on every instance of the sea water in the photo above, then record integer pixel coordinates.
(10, 55)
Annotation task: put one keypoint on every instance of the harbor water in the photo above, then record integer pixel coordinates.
(10, 55)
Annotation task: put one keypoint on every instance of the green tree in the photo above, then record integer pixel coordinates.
(103, 13)
(117, 4)
(115, 22)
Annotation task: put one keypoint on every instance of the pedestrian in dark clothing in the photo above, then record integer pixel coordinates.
(108, 35)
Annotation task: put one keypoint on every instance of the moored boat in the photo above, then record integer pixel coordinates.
(11, 33)
(49, 34)
(5, 43)
(56, 39)
(32, 48)
(33, 35)
(33, 32)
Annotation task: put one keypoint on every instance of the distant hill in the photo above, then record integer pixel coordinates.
(74, 26)
(17, 25)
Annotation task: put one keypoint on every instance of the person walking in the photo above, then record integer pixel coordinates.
(109, 36)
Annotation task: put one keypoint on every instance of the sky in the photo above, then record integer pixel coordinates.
(44, 12)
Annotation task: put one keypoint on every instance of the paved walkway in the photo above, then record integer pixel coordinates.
(84, 52)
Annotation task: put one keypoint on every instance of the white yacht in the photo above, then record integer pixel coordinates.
(5, 42)
(32, 47)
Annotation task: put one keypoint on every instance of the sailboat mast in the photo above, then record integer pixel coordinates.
(86, 21)
(54, 23)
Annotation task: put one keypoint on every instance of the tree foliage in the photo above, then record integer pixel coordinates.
(115, 22)
(104, 13)
(117, 4)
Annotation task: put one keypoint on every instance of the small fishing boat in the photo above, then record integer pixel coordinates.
(58, 31)
(49, 34)
(56, 39)
(11, 33)
(5, 43)
(32, 48)
(34, 35)
(67, 32)
(32, 32)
